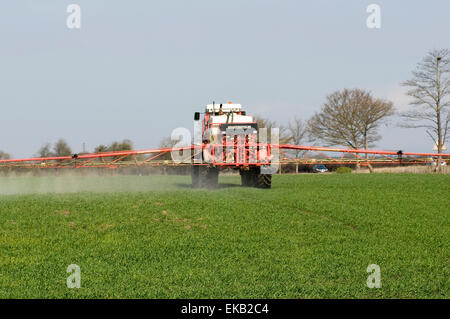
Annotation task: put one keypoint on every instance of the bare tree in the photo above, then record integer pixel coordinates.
(430, 90)
(296, 132)
(350, 118)
(264, 122)
(166, 141)
(269, 124)
(373, 112)
(4, 156)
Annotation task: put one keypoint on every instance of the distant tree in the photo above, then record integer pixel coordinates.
(264, 122)
(166, 141)
(125, 145)
(61, 148)
(430, 90)
(101, 148)
(350, 118)
(296, 132)
(45, 151)
(269, 124)
(4, 156)
(116, 146)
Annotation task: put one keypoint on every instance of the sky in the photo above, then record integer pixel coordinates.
(139, 69)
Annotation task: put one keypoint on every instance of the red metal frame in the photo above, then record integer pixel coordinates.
(150, 156)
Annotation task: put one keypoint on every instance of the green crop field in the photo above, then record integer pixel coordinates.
(154, 237)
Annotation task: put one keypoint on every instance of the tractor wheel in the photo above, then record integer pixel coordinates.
(244, 178)
(264, 181)
(195, 176)
(212, 177)
(205, 177)
(248, 177)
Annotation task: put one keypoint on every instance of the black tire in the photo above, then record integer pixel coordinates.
(249, 178)
(264, 181)
(244, 178)
(205, 177)
(212, 177)
(195, 176)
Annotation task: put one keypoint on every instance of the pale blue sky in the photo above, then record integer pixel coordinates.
(138, 69)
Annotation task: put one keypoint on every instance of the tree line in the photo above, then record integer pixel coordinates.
(62, 148)
(349, 117)
(353, 117)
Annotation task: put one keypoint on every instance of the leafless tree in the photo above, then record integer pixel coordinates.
(264, 122)
(350, 118)
(373, 113)
(166, 141)
(296, 132)
(269, 124)
(430, 90)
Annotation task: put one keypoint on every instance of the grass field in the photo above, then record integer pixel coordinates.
(154, 237)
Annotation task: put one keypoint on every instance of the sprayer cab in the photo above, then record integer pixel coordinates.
(227, 113)
(229, 139)
(228, 123)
